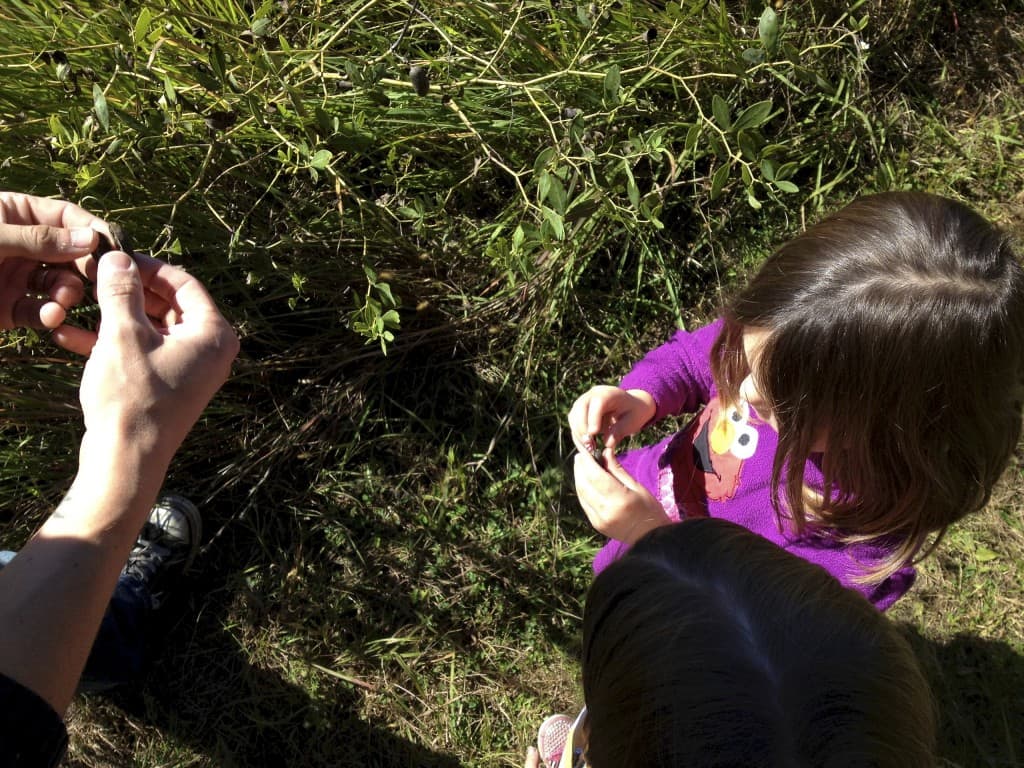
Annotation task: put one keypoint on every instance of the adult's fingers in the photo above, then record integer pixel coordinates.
(119, 293)
(76, 340)
(532, 758)
(174, 286)
(19, 208)
(33, 312)
(60, 285)
(42, 242)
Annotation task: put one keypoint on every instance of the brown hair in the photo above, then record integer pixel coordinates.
(895, 329)
(707, 645)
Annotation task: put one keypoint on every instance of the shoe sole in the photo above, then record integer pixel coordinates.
(551, 739)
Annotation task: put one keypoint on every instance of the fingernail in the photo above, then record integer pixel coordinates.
(81, 237)
(118, 260)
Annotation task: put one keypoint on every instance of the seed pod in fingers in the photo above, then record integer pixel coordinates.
(119, 240)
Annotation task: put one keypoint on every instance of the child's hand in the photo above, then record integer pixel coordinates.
(611, 412)
(616, 504)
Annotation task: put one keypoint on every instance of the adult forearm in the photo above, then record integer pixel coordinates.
(54, 594)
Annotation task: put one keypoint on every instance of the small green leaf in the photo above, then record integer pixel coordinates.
(612, 82)
(786, 170)
(169, 92)
(557, 196)
(768, 30)
(555, 222)
(786, 186)
(691, 138)
(768, 169)
(718, 180)
(748, 146)
(632, 190)
(543, 186)
(754, 116)
(517, 238)
(141, 26)
(543, 158)
(720, 109)
(752, 201)
(770, 150)
(985, 555)
(321, 159)
(753, 56)
(218, 63)
(260, 27)
(99, 106)
(634, 193)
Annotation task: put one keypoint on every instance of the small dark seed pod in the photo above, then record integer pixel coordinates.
(420, 79)
(118, 241)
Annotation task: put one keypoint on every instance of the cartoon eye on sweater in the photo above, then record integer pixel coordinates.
(705, 460)
(732, 434)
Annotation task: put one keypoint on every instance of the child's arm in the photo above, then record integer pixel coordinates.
(616, 504)
(671, 379)
(677, 375)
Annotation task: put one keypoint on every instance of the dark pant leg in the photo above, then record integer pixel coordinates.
(118, 653)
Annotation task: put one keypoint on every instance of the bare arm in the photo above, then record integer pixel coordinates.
(162, 352)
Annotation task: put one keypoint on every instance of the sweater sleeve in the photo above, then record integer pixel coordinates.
(32, 735)
(678, 373)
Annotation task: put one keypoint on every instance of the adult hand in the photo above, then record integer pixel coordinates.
(616, 504)
(36, 231)
(611, 412)
(162, 351)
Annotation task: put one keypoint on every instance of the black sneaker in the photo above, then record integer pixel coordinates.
(167, 544)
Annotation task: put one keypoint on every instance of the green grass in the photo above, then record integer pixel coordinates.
(396, 561)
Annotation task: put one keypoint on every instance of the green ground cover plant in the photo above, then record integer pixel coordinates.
(434, 224)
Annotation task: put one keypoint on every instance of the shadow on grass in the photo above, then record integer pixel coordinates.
(405, 541)
(979, 690)
(233, 703)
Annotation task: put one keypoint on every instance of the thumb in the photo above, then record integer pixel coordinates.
(119, 291)
(616, 470)
(44, 243)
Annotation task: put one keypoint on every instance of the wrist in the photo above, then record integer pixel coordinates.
(645, 525)
(122, 464)
(108, 500)
(648, 408)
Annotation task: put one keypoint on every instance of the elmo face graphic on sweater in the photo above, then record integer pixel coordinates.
(704, 461)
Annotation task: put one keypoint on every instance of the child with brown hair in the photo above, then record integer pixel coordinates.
(857, 397)
(708, 646)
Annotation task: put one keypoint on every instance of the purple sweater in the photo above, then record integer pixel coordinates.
(720, 465)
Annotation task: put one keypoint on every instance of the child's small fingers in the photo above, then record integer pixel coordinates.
(596, 417)
(532, 758)
(578, 422)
